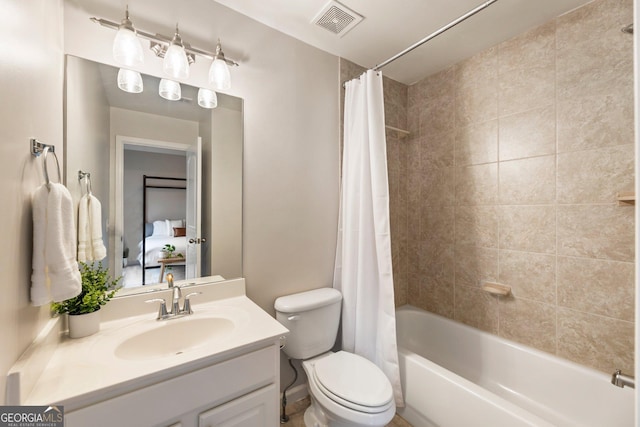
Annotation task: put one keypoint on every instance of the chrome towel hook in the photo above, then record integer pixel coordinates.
(87, 177)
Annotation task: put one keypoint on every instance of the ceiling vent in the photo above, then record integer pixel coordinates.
(337, 18)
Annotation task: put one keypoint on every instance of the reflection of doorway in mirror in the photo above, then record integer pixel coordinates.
(151, 208)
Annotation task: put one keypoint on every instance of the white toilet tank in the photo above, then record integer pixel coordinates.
(312, 318)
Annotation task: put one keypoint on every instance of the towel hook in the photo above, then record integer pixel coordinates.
(87, 177)
(45, 151)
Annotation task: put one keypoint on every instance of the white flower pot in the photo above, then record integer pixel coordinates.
(83, 325)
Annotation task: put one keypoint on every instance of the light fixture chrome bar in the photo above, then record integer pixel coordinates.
(436, 33)
(163, 40)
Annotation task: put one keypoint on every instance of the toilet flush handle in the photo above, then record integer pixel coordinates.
(293, 317)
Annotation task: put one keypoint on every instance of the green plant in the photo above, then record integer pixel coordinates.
(170, 251)
(97, 289)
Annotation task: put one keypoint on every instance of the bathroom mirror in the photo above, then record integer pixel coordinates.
(165, 173)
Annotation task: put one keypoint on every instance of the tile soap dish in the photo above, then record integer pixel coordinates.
(496, 289)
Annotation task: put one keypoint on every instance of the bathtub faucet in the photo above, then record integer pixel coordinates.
(620, 380)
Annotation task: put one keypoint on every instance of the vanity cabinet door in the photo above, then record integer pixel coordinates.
(256, 409)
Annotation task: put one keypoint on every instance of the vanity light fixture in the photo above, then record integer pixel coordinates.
(129, 81)
(127, 49)
(207, 98)
(170, 90)
(175, 62)
(219, 75)
(163, 47)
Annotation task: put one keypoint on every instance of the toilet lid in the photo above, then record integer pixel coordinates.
(354, 379)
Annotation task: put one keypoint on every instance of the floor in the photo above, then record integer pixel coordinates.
(295, 411)
(132, 274)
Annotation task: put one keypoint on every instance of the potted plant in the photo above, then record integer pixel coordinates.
(169, 251)
(97, 289)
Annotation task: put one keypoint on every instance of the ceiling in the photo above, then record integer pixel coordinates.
(391, 26)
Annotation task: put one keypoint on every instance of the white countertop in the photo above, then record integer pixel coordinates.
(86, 370)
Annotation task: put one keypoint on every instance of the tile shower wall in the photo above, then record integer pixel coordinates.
(510, 176)
(395, 109)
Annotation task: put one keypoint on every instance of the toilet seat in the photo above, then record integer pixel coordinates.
(353, 382)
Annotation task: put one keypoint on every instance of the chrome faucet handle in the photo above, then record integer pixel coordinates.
(186, 308)
(177, 294)
(162, 311)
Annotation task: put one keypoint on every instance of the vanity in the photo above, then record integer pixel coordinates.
(217, 366)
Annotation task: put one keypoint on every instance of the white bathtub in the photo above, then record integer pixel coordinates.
(454, 375)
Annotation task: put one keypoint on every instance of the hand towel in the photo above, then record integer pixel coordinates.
(55, 276)
(90, 244)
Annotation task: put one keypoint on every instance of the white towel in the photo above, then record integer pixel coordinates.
(90, 244)
(55, 276)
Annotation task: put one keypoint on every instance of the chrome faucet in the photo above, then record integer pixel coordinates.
(620, 380)
(176, 311)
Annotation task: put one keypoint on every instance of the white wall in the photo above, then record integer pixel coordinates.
(31, 93)
(290, 93)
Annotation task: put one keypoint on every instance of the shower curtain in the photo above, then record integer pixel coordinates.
(363, 271)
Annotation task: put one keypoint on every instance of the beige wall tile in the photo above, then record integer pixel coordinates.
(476, 104)
(476, 226)
(597, 286)
(438, 115)
(528, 181)
(476, 82)
(595, 176)
(596, 341)
(596, 231)
(590, 47)
(528, 134)
(476, 308)
(437, 150)
(530, 275)
(437, 224)
(477, 185)
(526, 64)
(528, 322)
(477, 144)
(437, 186)
(436, 296)
(537, 83)
(475, 265)
(528, 228)
(436, 278)
(595, 121)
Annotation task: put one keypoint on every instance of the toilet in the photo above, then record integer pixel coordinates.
(346, 390)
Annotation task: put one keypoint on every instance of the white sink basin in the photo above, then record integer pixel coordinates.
(173, 337)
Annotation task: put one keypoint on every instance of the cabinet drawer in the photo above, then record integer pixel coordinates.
(163, 403)
(257, 409)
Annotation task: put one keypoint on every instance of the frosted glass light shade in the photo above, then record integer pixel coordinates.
(175, 62)
(129, 81)
(127, 49)
(170, 90)
(207, 98)
(219, 75)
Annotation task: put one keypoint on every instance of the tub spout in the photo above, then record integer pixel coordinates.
(620, 380)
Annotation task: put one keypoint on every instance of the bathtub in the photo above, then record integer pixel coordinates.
(455, 375)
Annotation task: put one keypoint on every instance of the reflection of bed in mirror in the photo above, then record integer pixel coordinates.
(164, 231)
(153, 244)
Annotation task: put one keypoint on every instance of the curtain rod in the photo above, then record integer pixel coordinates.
(435, 34)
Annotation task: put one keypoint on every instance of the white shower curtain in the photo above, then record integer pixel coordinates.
(363, 271)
